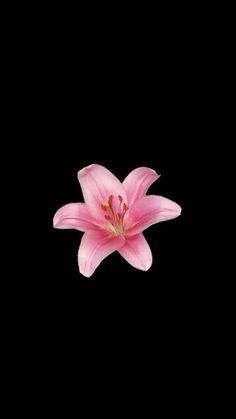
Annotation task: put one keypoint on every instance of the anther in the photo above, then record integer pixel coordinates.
(110, 201)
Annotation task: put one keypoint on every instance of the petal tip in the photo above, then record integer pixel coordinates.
(86, 274)
(150, 171)
(147, 264)
(84, 269)
(155, 173)
(179, 210)
(85, 170)
(55, 221)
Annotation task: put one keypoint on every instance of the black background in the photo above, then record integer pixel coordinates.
(122, 94)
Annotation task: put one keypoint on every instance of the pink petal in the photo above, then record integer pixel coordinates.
(74, 215)
(97, 184)
(137, 252)
(95, 246)
(137, 183)
(150, 209)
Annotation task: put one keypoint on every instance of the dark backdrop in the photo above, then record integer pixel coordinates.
(123, 98)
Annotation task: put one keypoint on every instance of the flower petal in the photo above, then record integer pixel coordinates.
(150, 209)
(137, 183)
(94, 247)
(97, 184)
(137, 252)
(75, 215)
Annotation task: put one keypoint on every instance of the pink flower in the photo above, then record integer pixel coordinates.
(114, 216)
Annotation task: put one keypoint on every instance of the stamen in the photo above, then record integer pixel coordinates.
(125, 207)
(110, 201)
(115, 218)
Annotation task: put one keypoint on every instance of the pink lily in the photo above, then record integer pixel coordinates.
(114, 215)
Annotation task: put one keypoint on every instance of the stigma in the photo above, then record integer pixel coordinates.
(115, 218)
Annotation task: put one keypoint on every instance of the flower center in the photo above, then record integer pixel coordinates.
(115, 218)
